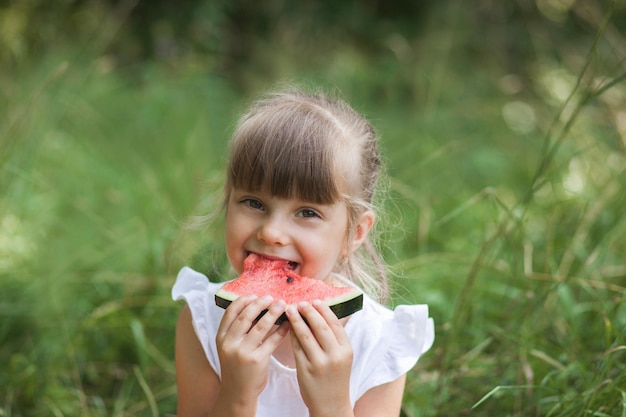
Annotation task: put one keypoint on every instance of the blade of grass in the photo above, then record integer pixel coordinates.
(147, 391)
(499, 389)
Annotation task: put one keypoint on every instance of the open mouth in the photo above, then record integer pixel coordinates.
(292, 265)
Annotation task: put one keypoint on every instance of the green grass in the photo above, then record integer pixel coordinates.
(510, 229)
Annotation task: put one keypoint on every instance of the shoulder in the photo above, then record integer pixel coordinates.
(196, 289)
(387, 342)
(407, 323)
(188, 281)
(200, 309)
(199, 293)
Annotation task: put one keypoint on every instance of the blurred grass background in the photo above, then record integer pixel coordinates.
(504, 128)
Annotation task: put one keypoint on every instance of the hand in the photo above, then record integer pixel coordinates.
(323, 355)
(244, 346)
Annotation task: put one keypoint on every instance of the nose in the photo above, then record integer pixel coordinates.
(273, 232)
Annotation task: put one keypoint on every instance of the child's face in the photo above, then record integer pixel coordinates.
(311, 236)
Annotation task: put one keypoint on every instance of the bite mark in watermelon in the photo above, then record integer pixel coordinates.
(263, 276)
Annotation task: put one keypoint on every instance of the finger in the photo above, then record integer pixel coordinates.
(265, 325)
(320, 325)
(295, 321)
(306, 341)
(336, 326)
(232, 312)
(271, 342)
(247, 316)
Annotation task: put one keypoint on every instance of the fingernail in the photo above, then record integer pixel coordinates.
(280, 304)
(291, 310)
(267, 298)
(303, 304)
(317, 302)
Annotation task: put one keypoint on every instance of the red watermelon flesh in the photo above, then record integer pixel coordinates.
(263, 276)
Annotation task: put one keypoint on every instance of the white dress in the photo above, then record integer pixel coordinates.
(386, 344)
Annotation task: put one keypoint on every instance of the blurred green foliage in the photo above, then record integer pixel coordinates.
(504, 129)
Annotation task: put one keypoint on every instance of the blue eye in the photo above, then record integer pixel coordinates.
(252, 203)
(308, 213)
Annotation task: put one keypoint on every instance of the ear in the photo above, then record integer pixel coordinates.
(362, 230)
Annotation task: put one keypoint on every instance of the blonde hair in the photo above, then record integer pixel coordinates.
(316, 148)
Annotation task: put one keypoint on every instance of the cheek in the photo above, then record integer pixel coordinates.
(324, 259)
(233, 245)
(228, 235)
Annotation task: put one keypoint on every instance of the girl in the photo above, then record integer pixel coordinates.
(301, 180)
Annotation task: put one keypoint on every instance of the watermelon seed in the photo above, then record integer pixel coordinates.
(289, 279)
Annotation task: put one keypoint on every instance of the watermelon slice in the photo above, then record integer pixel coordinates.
(262, 276)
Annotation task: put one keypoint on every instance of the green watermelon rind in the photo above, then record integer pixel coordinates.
(343, 305)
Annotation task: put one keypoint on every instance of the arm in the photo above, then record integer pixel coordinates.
(196, 380)
(381, 401)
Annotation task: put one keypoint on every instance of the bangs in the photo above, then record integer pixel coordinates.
(287, 160)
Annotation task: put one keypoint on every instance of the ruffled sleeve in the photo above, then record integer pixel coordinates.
(196, 289)
(390, 345)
